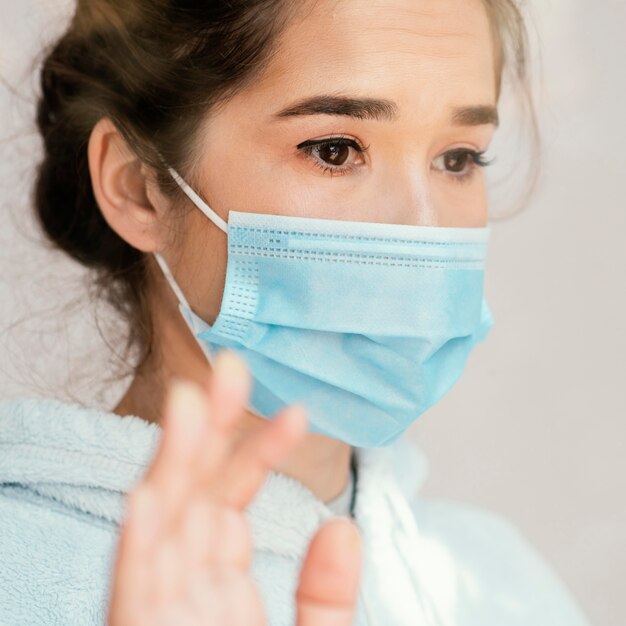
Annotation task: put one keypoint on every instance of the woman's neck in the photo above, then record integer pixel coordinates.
(320, 462)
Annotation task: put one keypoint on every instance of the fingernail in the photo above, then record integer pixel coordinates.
(231, 368)
(187, 409)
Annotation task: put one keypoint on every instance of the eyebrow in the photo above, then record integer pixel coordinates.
(360, 108)
(380, 110)
(475, 115)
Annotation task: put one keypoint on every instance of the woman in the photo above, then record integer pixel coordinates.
(286, 202)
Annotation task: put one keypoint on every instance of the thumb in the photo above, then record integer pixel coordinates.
(330, 576)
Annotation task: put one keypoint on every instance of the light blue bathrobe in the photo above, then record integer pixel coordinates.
(64, 470)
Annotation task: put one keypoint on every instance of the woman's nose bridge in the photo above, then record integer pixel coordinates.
(416, 204)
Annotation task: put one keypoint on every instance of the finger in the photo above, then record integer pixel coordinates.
(226, 596)
(329, 578)
(172, 473)
(228, 391)
(214, 535)
(229, 387)
(234, 549)
(257, 454)
(168, 573)
(130, 588)
(200, 533)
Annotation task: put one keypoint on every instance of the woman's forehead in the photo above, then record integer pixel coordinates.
(410, 48)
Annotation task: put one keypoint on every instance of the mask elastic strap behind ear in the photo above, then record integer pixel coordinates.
(172, 281)
(198, 201)
(184, 305)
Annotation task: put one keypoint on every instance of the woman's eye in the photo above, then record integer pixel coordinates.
(456, 161)
(335, 155)
(461, 163)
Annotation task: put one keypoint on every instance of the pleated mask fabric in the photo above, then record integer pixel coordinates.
(366, 324)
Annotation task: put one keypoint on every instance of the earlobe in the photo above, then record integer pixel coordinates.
(119, 185)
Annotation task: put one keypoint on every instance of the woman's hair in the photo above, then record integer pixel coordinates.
(156, 68)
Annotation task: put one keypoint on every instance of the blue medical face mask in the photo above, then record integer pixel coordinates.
(367, 325)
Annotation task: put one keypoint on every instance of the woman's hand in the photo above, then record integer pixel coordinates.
(185, 547)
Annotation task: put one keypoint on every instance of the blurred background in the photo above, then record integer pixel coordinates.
(536, 428)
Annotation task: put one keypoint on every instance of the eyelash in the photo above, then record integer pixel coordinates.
(477, 161)
(308, 147)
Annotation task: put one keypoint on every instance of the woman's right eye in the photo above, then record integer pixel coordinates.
(331, 154)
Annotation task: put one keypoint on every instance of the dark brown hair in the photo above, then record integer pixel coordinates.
(156, 68)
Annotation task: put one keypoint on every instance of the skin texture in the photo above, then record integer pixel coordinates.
(428, 56)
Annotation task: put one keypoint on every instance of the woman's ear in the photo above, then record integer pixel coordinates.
(120, 186)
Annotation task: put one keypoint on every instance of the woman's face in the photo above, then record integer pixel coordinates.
(357, 117)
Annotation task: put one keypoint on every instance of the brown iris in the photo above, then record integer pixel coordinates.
(334, 153)
(456, 160)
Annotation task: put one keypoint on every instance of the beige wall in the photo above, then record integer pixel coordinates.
(536, 428)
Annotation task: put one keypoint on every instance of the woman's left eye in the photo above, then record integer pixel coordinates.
(332, 154)
(461, 163)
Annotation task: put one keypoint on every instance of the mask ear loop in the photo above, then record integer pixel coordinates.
(178, 292)
(171, 280)
(183, 305)
(198, 201)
